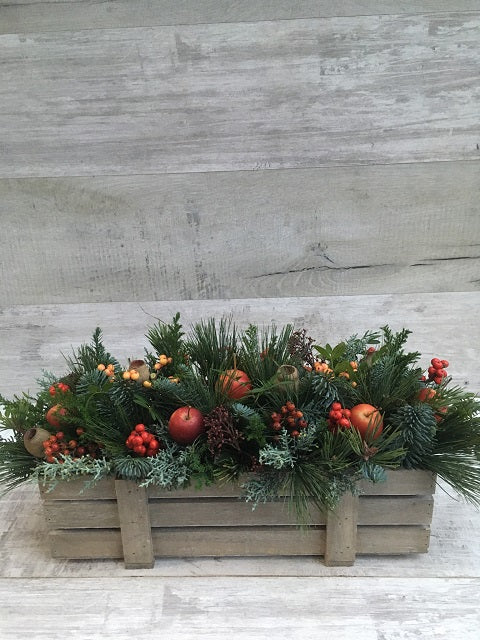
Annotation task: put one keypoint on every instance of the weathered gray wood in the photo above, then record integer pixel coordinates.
(77, 490)
(402, 482)
(33, 337)
(341, 533)
(292, 93)
(392, 540)
(24, 15)
(395, 510)
(86, 544)
(243, 608)
(135, 528)
(329, 231)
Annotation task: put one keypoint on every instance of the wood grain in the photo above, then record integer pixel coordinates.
(33, 337)
(291, 93)
(208, 609)
(23, 16)
(341, 533)
(328, 231)
(135, 527)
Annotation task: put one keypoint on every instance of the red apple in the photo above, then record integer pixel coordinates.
(235, 383)
(54, 415)
(367, 420)
(185, 425)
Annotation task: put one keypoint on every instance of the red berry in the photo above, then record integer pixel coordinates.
(137, 441)
(432, 371)
(146, 437)
(371, 350)
(141, 450)
(51, 390)
(443, 372)
(346, 413)
(139, 428)
(344, 422)
(72, 444)
(55, 446)
(436, 363)
(336, 406)
(335, 415)
(276, 426)
(445, 363)
(438, 379)
(50, 459)
(60, 435)
(295, 433)
(80, 430)
(80, 451)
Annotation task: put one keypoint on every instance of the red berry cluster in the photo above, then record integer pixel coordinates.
(338, 417)
(438, 370)
(142, 442)
(58, 386)
(57, 446)
(289, 418)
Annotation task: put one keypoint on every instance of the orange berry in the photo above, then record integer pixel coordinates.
(101, 367)
(147, 383)
(157, 366)
(134, 375)
(126, 375)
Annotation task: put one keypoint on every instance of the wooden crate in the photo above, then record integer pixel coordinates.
(118, 519)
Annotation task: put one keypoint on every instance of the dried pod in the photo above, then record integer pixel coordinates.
(141, 368)
(33, 439)
(287, 377)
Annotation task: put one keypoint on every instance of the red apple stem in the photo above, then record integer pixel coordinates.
(188, 412)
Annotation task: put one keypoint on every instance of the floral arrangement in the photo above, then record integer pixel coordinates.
(269, 407)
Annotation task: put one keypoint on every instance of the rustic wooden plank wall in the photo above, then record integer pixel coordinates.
(204, 149)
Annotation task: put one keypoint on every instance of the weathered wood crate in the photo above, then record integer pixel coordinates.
(118, 519)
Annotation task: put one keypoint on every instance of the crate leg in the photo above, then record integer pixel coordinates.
(341, 539)
(135, 525)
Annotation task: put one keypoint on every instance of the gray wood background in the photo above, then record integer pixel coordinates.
(310, 161)
(197, 149)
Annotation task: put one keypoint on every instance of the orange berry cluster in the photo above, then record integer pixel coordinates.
(321, 367)
(58, 386)
(57, 446)
(142, 442)
(338, 417)
(108, 370)
(289, 418)
(438, 370)
(162, 361)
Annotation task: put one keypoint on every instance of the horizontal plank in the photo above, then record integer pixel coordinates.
(225, 541)
(294, 93)
(392, 540)
(402, 482)
(341, 607)
(76, 490)
(399, 482)
(318, 234)
(21, 16)
(201, 512)
(78, 544)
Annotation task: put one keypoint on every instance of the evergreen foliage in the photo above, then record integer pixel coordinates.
(417, 427)
(282, 433)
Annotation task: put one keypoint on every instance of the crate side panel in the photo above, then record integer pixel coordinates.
(207, 513)
(76, 490)
(402, 482)
(395, 510)
(81, 514)
(395, 540)
(76, 544)
(237, 541)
